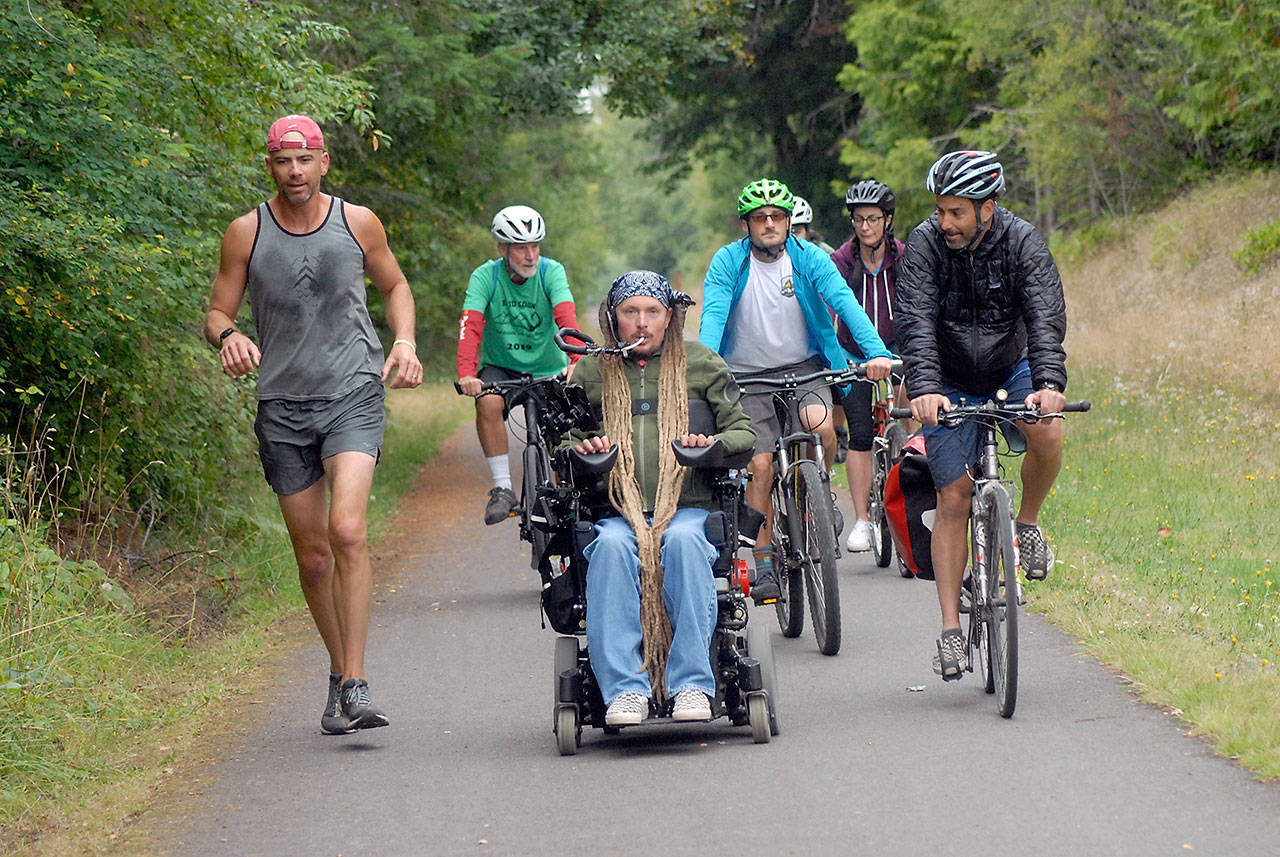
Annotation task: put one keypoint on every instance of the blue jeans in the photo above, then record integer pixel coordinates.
(613, 606)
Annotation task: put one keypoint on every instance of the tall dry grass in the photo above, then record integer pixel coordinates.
(1168, 300)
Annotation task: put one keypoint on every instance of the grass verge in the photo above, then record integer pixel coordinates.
(1163, 517)
(100, 697)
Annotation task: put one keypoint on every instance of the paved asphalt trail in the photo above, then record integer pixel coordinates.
(863, 765)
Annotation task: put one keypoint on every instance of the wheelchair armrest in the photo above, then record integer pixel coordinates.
(700, 456)
(593, 463)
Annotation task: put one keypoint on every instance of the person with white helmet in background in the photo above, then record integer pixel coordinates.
(802, 225)
(980, 309)
(513, 307)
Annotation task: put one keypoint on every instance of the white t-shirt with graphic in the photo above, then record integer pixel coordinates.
(767, 329)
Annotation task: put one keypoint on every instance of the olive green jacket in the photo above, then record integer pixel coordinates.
(708, 380)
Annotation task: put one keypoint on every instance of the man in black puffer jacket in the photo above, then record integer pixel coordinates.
(980, 308)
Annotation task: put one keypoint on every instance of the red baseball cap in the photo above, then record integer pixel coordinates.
(312, 136)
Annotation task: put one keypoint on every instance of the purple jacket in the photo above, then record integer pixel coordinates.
(876, 292)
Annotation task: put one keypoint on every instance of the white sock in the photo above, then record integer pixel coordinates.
(500, 468)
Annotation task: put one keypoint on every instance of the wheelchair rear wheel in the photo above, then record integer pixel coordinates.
(760, 647)
(566, 659)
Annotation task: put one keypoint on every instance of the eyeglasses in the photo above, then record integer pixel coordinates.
(872, 220)
(761, 218)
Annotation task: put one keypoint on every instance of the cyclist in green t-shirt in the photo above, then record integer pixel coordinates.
(513, 308)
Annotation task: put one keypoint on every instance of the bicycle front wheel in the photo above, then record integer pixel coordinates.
(818, 557)
(790, 603)
(999, 604)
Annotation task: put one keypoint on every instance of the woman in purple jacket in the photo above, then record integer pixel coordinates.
(869, 264)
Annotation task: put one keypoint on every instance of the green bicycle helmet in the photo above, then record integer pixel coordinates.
(762, 192)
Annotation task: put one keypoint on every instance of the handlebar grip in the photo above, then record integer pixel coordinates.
(576, 334)
(900, 413)
(458, 387)
(1077, 407)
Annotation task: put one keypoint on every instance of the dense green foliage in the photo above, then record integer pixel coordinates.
(126, 133)
(1095, 105)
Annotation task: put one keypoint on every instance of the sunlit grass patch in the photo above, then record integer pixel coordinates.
(1168, 552)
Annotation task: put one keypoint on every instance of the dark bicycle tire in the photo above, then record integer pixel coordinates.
(818, 558)
(790, 604)
(536, 472)
(881, 538)
(999, 640)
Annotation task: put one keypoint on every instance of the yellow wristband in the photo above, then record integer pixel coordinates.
(406, 342)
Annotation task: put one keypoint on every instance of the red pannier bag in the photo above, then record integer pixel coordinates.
(910, 503)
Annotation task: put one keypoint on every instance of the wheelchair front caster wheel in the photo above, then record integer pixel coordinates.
(568, 733)
(758, 716)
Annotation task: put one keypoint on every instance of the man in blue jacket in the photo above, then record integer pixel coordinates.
(765, 300)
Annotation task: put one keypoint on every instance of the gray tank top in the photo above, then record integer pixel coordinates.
(309, 305)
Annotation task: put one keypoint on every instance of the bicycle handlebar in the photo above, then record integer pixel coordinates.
(589, 345)
(1010, 410)
(854, 372)
(489, 388)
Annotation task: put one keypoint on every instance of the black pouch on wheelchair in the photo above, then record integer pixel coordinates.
(561, 593)
(718, 533)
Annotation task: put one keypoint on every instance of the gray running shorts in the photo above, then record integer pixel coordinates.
(758, 402)
(295, 437)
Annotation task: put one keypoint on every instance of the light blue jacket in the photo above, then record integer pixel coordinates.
(818, 285)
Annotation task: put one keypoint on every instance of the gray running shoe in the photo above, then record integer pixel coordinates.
(1034, 551)
(334, 721)
(953, 655)
(502, 503)
(764, 585)
(358, 706)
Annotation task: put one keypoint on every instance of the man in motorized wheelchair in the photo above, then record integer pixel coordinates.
(650, 586)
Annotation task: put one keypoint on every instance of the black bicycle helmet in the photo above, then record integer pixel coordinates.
(870, 192)
(971, 174)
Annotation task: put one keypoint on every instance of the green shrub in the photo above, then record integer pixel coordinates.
(1260, 245)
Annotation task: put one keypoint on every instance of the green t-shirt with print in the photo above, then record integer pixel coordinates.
(519, 329)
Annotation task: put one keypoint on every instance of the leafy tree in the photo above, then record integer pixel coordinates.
(121, 143)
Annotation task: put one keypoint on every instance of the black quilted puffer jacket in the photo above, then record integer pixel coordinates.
(966, 318)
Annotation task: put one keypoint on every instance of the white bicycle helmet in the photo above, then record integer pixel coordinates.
(802, 213)
(518, 224)
(969, 174)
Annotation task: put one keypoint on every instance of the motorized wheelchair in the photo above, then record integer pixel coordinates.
(741, 653)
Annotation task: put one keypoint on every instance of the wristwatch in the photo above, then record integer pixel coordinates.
(1051, 385)
(222, 337)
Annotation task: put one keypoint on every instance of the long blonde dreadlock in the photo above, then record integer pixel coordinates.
(624, 489)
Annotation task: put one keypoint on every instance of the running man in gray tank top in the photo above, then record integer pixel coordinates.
(303, 256)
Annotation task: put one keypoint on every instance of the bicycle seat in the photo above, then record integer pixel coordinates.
(593, 463)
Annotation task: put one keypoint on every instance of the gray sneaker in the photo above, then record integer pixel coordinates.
(953, 655)
(502, 502)
(1034, 551)
(358, 706)
(334, 721)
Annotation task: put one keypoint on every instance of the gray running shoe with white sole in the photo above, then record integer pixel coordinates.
(358, 706)
(953, 655)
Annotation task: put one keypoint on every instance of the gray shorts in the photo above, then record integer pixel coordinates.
(758, 403)
(295, 437)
